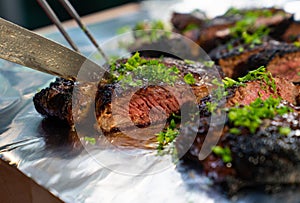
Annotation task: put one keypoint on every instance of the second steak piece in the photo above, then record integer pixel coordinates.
(232, 24)
(259, 142)
(281, 59)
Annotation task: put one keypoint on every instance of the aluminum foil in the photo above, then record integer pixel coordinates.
(47, 152)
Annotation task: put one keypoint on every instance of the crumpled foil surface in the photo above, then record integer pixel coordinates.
(45, 150)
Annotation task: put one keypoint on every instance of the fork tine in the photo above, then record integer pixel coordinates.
(53, 17)
(73, 13)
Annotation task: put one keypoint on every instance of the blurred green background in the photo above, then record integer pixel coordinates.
(29, 14)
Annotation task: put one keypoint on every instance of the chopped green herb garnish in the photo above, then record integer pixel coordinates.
(284, 130)
(228, 82)
(172, 124)
(189, 79)
(151, 30)
(167, 136)
(189, 61)
(136, 70)
(241, 49)
(258, 74)
(251, 116)
(219, 92)
(123, 30)
(90, 140)
(211, 106)
(297, 44)
(209, 63)
(189, 27)
(235, 131)
(224, 153)
(232, 11)
(245, 28)
(229, 47)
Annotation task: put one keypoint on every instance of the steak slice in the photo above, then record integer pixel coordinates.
(292, 34)
(267, 156)
(281, 59)
(56, 100)
(244, 95)
(182, 21)
(112, 114)
(233, 59)
(216, 31)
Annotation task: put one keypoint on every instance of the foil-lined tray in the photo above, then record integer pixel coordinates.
(49, 153)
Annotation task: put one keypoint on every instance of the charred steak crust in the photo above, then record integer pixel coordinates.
(268, 156)
(281, 59)
(181, 21)
(215, 32)
(55, 100)
(234, 61)
(260, 158)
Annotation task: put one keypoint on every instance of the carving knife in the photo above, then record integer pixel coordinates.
(29, 49)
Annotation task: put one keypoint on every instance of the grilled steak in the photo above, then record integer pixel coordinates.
(267, 155)
(218, 30)
(56, 100)
(184, 21)
(233, 59)
(164, 97)
(281, 59)
(292, 34)
(244, 95)
(264, 157)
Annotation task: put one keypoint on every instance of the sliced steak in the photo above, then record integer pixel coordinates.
(244, 95)
(261, 158)
(182, 21)
(233, 57)
(216, 32)
(56, 100)
(292, 34)
(281, 59)
(113, 111)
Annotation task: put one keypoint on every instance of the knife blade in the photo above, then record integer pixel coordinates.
(29, 49)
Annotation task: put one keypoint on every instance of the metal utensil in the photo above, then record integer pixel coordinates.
(29, 49)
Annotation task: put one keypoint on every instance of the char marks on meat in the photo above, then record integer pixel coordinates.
(56, 100)
(263, 157)
(292, 34)
(216, 31)
(234, 60)
(281, 59)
